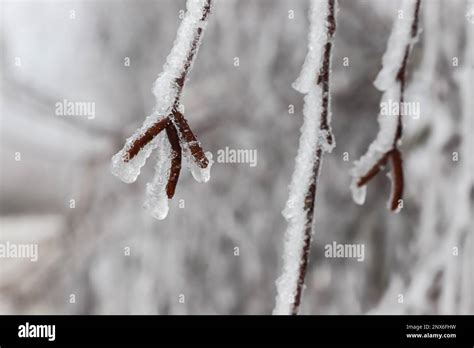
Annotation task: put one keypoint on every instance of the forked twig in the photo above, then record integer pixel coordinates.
(391, 80)
(168, 90)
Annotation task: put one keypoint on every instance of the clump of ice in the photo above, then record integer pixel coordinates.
(201, 175)
(156, 199)
(358, 193)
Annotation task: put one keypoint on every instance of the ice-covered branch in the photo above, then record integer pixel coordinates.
(168, 88)
(316, 138)
(391, 81)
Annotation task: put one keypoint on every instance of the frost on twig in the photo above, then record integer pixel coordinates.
(168, 88)
(316, 138)
(391, 81)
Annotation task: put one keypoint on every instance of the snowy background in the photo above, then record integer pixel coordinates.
(417, 261)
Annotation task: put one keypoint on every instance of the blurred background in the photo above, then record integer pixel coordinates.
(100, 252)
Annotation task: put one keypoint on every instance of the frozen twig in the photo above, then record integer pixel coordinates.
(175, 160)
(316, 138)
(168, 89)
(391, 80)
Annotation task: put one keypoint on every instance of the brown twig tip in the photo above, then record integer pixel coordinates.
(373, 171)
(395, 157)
(188, 136)
(397, 179)
(175, 160)
(145, 138)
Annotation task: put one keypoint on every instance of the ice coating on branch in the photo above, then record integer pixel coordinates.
(165, 88)
(156, 199)
(317, 38)
(358, 193)
(294, 211)
(382, 143)
(312, 142)
(305, 158)
(399, 38)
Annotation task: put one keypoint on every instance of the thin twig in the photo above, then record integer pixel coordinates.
(188, 136)
(175, 160)
(147, 136)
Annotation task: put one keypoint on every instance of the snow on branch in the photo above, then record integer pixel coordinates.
(391, 80)
(167, 115)
(316, 138)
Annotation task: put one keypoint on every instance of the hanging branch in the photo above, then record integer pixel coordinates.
(179, 82)
(168, 89)
(316, 138)
(391, 80)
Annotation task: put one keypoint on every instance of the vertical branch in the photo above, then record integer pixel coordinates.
(323, 82)
(308, 231)
(316, 138)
